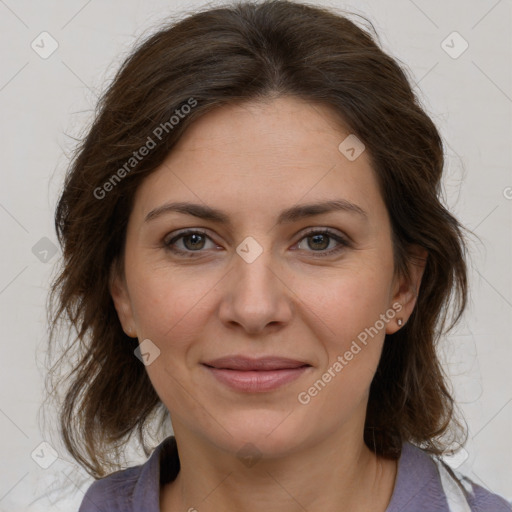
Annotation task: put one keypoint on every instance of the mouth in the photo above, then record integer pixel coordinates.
(256, 375)
(243, 363)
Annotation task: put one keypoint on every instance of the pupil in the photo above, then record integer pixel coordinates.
(317, 237)
(196, 238)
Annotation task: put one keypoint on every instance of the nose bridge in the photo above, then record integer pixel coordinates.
(254, 266)
(255, 296)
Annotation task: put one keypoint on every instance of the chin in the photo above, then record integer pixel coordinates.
(268, 434)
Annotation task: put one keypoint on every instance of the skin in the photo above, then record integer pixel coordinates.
(252, 161)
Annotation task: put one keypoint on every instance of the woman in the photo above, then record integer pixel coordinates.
(254, 245)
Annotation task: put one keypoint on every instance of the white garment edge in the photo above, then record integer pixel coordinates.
(452, 488)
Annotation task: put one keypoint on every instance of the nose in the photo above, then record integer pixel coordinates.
(255, 296)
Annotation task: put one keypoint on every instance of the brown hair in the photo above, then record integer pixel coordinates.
(229, 54)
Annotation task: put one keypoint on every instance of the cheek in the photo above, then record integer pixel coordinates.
(347, 301)
(352, 336)
(172, 310)
(169, 304)
(344, 312)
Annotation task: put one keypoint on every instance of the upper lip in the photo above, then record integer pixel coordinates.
(262, 363)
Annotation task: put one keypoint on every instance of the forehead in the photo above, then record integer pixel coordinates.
(252, 157)
(282, 128)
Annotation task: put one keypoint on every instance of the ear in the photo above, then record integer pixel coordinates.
(406, 289)
(119, 292)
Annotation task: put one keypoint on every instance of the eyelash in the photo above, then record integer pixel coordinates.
(317, 254)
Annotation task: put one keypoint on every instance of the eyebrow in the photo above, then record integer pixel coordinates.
(289, 215)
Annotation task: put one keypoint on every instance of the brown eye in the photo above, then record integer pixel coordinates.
(191, 241)
(196, 241)
(318, 241)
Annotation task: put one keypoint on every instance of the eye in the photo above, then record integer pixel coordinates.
(193, 241)
(319, 240)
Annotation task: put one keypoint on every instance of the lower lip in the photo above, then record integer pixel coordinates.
(257, 381)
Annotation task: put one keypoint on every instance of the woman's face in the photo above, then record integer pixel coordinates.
(264, 280)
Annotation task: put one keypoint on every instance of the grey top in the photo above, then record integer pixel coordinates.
(423, 484)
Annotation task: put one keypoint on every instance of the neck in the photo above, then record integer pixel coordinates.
(327, 476)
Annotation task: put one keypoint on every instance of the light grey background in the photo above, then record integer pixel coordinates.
(44, 102)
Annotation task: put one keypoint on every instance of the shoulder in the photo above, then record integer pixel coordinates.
(130, 489)
(113, 492)
(423, 479)
(479, 498)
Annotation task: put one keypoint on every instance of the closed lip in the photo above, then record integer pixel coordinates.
(243, 363)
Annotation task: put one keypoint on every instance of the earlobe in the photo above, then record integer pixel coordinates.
(407, 288)
(119, 293)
